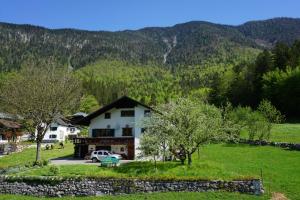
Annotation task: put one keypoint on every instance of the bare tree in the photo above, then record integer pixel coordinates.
(38, 95)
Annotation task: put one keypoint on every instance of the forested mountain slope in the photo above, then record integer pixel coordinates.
(183, 44)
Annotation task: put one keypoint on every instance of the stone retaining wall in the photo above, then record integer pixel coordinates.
(285, 145)
(92, 187)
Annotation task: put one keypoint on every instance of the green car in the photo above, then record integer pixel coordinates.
(109, 161)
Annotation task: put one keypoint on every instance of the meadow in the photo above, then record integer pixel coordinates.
(28, 155)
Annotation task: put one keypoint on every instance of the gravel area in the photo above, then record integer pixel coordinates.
(70, 161)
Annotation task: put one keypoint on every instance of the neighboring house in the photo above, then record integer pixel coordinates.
(60, 130)
(116, 127)
(10, 131)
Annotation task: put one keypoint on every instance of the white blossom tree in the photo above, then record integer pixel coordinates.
(184, 125)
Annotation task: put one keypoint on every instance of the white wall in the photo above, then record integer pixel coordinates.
(1, 139)
(61, 133)
(117, 122)
(139, 116)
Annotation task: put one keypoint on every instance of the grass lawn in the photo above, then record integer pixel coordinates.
(286, 133)
(281, 171)
(28, 155)
(282, 133)
(153, 196)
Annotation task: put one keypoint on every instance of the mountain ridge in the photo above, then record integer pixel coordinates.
(197, 42)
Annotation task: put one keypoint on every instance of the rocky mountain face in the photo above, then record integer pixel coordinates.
(190, 43)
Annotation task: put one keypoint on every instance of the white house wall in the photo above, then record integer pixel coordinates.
(117, 122)
(62, 132)
(139, 116)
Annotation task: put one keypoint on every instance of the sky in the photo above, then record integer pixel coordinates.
(113, 15)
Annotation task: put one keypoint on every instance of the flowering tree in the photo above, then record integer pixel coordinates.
(184, 125)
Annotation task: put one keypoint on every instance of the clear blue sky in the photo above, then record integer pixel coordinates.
(133, 14)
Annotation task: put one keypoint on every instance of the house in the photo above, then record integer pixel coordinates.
(10, 130)
(115, 127)
(59, 130)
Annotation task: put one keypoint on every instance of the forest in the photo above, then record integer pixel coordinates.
(273, 75)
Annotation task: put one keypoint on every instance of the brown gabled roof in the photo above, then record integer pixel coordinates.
(9, 124)
(123, 102)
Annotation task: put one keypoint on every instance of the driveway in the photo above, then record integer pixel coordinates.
(71, 161)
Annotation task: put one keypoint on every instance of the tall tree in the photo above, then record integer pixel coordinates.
(38, 95)
(282, 55)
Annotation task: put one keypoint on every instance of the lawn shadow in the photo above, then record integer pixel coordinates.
(144, 168)
(66, 157)
(237, 145)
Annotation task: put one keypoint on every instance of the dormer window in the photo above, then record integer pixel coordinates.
(127, 113)
(107, 116)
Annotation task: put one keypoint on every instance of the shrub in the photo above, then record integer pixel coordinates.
(254, 122)
(40, 163)
(270, 112)
(54, 170)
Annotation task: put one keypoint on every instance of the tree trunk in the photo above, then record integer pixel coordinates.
(189, 158)
(182, 161)
(38, 151)
(155, 163)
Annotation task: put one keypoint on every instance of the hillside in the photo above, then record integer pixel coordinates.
(183, 44)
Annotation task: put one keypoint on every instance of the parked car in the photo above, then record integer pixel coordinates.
(99, 155)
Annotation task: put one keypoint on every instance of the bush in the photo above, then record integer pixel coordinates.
(254, 122)
(54, 170)
(270, 112)
(41, 163)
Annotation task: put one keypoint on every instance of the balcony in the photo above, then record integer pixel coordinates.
(102, 140)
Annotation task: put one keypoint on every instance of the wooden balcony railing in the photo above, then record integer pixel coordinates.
(102, 140)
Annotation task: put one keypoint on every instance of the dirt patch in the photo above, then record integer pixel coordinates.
(278, 196)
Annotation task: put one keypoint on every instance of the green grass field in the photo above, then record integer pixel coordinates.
(153, 196)
(28, 155)
(282, 133)
(286, 133)
(281, 172)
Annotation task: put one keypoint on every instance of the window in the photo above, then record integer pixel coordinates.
(52, 136)
(143, 130)
(53, 128)
(127, 113)
(72, 130)
(103, 132)
(146, 113)
(127, 131)
(107, 116)
(99, 153)
(105, 153)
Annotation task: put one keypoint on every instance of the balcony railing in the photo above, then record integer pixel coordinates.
(101, 140)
